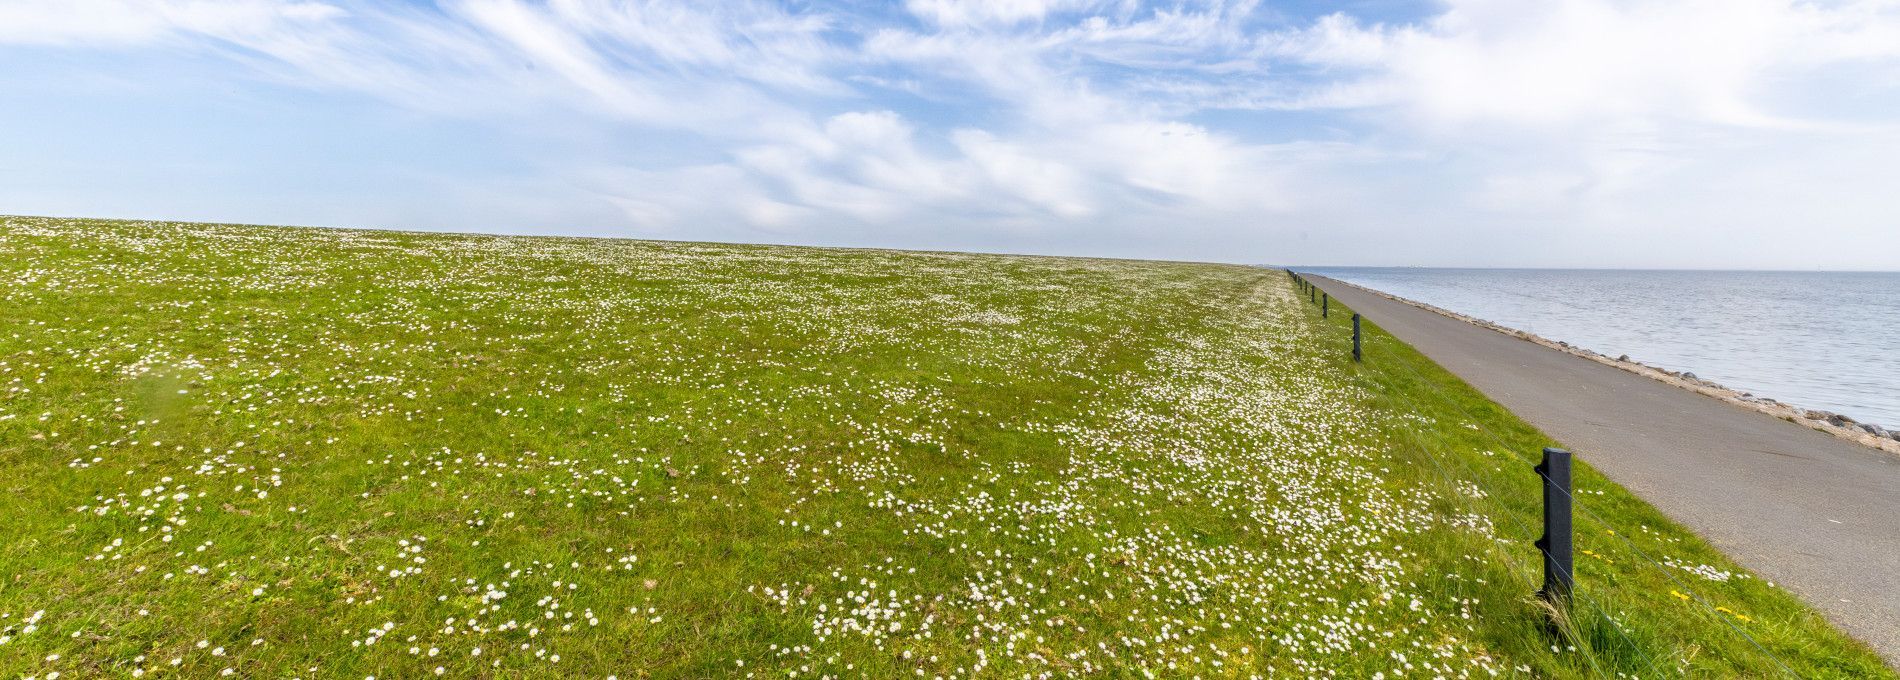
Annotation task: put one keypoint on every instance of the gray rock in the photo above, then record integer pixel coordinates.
(1689, 375)
(1625, 358)
(1874, 430)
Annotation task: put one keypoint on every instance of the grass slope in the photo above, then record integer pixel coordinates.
(281, 452)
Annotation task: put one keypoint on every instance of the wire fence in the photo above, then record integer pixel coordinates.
(1460, 469)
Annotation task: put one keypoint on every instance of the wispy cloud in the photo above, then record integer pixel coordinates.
(1176, 128)
(1554, 63)
(137, 22)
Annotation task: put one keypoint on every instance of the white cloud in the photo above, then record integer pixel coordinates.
(1554, 63)
(1032, 178)
(1185, 128)
(132, 22)
(963, 13)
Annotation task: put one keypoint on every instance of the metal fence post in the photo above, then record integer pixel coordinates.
(1355, 336)
(1559, 572)
(1325, 305)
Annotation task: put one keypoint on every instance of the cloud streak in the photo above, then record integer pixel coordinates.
(1209, 129)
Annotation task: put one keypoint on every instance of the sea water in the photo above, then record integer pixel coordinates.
(1818, 340)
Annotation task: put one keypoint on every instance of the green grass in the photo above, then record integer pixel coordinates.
(324, 453)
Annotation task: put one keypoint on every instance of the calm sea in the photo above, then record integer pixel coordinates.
(1822, 340)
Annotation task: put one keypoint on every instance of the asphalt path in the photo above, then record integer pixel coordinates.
(1817, 515)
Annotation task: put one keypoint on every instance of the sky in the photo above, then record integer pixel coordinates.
(1750, 134)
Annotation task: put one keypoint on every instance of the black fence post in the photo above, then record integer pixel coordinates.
(1355, 337)
(1325, 305)
(1559, 572)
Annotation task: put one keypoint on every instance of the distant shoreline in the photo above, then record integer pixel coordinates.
(1839, 425)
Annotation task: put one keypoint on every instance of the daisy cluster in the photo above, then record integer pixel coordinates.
(332, 453)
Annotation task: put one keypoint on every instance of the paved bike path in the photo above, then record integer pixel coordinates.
(1817, 515)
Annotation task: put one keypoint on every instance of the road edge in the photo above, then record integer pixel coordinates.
(1708, 388)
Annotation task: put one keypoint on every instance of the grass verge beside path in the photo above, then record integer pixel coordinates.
(275, 452)
(1653, 598)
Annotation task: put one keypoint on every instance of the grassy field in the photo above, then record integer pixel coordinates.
(273, 452)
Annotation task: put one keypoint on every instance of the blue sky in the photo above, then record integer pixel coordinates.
(1673, 133)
